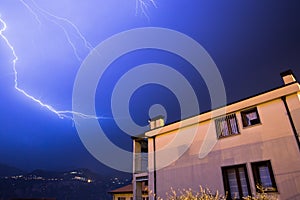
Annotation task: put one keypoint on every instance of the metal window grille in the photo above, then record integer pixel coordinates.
(226, 125)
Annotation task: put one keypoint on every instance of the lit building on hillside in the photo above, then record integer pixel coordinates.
(126, 193)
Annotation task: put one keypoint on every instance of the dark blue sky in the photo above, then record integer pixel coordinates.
(251, 42)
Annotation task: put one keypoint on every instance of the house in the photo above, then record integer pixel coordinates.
(249, 143)
(126, 193)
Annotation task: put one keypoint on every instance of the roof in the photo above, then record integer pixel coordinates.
(128, 189)
(286, 73)
(267, 96)
(139, 136)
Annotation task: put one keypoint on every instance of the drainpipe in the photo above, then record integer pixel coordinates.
(154, 167)
(291, 121)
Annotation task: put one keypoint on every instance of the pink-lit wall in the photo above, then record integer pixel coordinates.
(179, 164)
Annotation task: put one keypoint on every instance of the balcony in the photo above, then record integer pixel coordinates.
(141, 163)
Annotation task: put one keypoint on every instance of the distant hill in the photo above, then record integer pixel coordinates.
(69, 175)
(45, 174)
(6, 170)
(75, 184)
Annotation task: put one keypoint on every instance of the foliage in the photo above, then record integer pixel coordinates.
(261, 195)
(206, 194)
(202, 194)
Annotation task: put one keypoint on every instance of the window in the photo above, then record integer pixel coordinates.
(264, 177)
(236, 182)
(250, 117)
(226, 126)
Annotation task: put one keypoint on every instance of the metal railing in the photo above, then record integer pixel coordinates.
(141, 163)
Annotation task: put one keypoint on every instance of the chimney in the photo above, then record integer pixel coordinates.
(156, 122)
(288, 77)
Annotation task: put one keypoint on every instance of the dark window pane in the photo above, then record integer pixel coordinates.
(250, 117)
(233, 184)
(263, 176)
(236, 181)
(243, 181)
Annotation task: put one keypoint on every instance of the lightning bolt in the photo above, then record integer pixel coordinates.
(62, 23)
(31, 11)
(61, 114)
(36, 11)
(143, 6)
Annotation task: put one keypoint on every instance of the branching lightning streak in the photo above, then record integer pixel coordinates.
(31, 11)
(63, 113)
(140, 4)
(143, 6)
(58, 21)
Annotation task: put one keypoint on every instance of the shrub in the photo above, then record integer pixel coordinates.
(262, 195)
(202, 194)
(206, 194)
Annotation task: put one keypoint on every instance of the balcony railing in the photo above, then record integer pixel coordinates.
(141, 163)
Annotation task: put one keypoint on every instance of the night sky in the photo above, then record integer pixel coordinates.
(250, 41)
